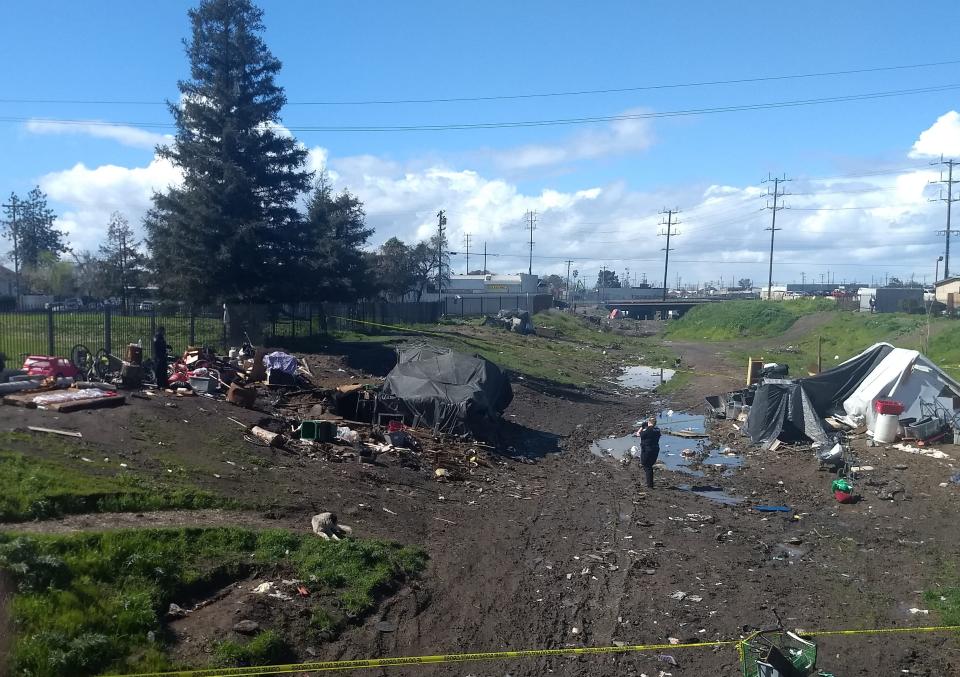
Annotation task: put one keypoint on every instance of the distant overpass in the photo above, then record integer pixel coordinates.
(647, 309)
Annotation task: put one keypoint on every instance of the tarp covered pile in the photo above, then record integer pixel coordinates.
(794, 409)
(451, 392)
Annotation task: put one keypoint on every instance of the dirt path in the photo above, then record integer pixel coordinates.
(154, 520)
(714, 371)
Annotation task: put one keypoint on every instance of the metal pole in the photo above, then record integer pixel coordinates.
(946, 254)
(773, 232)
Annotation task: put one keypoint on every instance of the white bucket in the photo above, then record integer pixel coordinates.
(886, 428)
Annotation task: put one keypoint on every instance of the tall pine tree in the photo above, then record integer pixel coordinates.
(336, 229)
(122, 263)
(231, 231)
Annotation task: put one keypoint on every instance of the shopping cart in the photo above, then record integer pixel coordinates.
(778, 653)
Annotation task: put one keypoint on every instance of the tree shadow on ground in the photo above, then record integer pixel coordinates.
(563, 390)
(375, 358)
(515, 440)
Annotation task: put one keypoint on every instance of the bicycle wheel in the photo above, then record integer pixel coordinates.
(81, 358)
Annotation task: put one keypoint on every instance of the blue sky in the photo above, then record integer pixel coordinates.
(588, 182)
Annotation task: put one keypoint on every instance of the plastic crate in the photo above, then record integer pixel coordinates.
(888, 407)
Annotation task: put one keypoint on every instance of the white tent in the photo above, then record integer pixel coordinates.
(906, 376)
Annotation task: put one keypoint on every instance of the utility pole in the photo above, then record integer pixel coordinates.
(15, 231)
(568, 280)
(484, 257)
(441, 223)
(776, 195)
(803, 279)
(670, 223)
(949, 199)
(466, 244)
(532, 225)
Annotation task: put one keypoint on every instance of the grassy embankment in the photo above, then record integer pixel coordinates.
(37, 488)
(732, 320)
(583, 355)
(89, 603)
(843, 333)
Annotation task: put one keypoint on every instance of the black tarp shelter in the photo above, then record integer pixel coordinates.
(794, 409)
(448, 391)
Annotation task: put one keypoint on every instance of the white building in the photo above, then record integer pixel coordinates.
(948, 291)
(463, 285)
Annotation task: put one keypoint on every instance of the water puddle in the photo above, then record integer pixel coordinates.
(685, 445)
(644, 378)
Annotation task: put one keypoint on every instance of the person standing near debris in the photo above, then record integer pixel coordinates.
(649, 448)
(160, 357)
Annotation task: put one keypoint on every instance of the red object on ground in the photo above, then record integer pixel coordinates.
(888, 407)
(50, 366)
(843, 497)
(394, 426)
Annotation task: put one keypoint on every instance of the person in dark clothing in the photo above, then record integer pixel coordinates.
(649, 448)
(160, 357)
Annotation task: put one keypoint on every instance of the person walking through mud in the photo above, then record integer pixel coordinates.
(649, 447)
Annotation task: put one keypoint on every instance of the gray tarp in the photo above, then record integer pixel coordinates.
(782, 409)
(448, 391)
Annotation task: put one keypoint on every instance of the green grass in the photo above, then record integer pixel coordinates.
(944, 348)
(849, 333)
(28, 332)
(267, 648)
(88, 603)
(40, 488)
(944, 595)
(583, 355)
(729, 320)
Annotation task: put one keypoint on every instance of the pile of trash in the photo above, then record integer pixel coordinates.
(517, 321)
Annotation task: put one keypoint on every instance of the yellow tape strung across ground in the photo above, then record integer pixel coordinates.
(331, 666)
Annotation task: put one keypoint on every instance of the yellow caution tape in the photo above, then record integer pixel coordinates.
(332, 666)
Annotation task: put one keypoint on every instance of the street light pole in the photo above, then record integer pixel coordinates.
(936, 275)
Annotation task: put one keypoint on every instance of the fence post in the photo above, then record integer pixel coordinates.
(106, 330)
(193, 327)
(50, 345)
(153, 322)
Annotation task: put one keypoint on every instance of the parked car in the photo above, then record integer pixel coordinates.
(50, 366)
(146, 306)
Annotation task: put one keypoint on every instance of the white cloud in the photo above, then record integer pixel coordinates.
(128, 136)
(90, 195)
(855, 227)
(619, 137)
(942, 138)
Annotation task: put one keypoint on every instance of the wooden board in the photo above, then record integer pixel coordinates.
(24, 399)
(93, 403)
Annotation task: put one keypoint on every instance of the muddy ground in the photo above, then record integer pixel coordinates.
(556, 547)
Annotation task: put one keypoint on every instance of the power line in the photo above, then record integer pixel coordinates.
(666, 250)
(441, 222)
(776, 194)
(534, 123)
(466, 244)
(532, 225)
(528, 95)
(949, 199)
